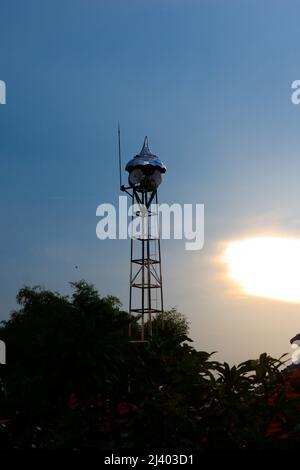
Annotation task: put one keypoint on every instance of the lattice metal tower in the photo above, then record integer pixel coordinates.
(146, 288)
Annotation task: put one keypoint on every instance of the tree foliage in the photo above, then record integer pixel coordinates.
(73, 380)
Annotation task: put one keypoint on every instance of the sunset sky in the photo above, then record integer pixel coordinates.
(209, 82)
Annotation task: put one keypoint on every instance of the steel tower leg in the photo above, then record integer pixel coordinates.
(145, 269)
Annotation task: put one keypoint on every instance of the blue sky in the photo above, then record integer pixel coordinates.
(210, 83)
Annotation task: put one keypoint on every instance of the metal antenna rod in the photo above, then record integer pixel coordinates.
(120, 166)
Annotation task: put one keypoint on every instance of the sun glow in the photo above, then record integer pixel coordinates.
(266, 267)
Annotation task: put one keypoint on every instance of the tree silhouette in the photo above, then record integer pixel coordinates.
(73, 380)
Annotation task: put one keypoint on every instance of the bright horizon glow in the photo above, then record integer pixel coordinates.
(266, 267)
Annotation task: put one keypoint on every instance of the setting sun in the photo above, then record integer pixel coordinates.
(266, 267)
